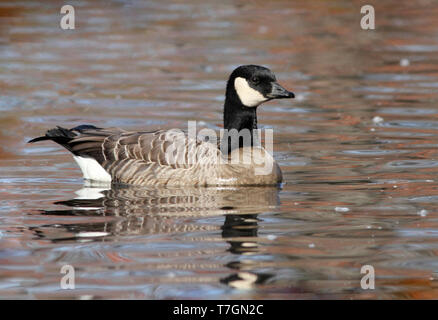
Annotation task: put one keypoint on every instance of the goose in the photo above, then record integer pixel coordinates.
(174, 158)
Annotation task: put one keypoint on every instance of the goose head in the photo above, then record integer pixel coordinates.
(249, 86)
(253, 85)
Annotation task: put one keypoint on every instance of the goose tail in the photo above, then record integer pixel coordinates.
(55, 134)
(62, 135)
(59, 135)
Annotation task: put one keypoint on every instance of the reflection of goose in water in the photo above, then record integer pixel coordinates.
(240, 231)
(163, 210)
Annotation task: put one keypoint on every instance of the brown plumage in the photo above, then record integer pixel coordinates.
(167, 157)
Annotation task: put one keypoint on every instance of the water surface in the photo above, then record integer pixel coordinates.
(358, 149)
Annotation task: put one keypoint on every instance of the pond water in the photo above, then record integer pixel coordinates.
(358, 150)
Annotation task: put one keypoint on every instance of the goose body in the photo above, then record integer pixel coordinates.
(172, 157)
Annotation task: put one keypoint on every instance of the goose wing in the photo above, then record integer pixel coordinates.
(144, 158)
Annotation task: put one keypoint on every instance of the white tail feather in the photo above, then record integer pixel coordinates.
(92, 170)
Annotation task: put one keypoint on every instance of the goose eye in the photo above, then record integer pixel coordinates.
(255, 80)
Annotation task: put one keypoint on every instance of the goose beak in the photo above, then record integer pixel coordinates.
(278, 92)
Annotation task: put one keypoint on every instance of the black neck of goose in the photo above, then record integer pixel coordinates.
(239, 117)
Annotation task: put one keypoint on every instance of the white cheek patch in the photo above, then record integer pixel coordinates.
(247, 95)
(92, 170)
